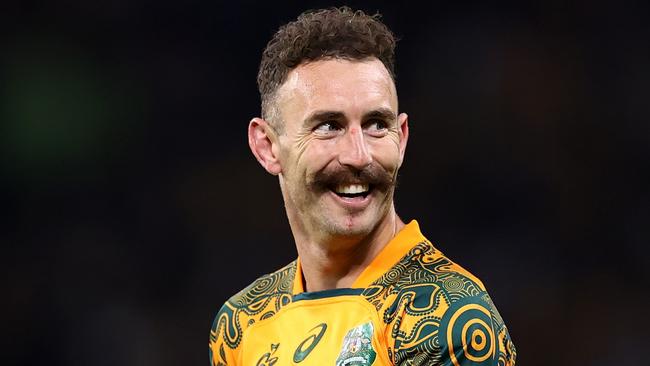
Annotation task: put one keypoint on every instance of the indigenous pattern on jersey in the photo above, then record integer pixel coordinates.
(410, 306)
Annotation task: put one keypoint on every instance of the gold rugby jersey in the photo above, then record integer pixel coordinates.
(410, 306)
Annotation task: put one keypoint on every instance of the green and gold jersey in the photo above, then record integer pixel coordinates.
(410, 306)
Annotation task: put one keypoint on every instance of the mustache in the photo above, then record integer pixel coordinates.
(373, 174)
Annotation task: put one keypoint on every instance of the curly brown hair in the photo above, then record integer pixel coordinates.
(320, 34)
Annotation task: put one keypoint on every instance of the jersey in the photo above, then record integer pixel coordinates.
(410, 306)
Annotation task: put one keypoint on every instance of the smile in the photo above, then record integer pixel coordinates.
(352, 197)
(352, 190)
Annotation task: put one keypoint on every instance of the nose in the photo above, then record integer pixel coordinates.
(353, 150)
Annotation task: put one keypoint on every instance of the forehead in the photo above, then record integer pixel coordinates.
(350, 87)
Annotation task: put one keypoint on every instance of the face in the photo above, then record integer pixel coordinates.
(341, 147)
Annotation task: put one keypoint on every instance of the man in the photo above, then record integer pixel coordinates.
(366, 289)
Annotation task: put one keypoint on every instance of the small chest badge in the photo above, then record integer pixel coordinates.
(357, 347)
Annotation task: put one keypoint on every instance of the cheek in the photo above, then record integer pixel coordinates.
(386, 153)
(316, 156)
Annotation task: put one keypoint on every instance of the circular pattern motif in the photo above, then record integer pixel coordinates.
(264, 284)
(392, 275)
(452, 284)
(468, 334)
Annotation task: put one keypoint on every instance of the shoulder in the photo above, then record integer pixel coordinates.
(265, 287)
(260, 300)
(429, 304)
(425, 270)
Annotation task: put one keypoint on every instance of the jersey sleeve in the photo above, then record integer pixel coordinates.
(473, 333)
(468, 331)
(221, 350)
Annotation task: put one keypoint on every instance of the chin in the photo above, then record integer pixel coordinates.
(349, 226)
(338, 222)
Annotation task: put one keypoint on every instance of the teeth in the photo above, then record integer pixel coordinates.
(351, 188)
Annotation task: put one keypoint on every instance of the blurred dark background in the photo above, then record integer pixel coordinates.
(133, 208)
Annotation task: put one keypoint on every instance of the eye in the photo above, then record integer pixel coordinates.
(376, 126)
(327, 127)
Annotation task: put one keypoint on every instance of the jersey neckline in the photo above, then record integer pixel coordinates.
(396, 248)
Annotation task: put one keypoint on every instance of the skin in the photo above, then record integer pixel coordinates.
(340, 118)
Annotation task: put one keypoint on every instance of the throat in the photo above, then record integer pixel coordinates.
(322, 281)
(327, 269)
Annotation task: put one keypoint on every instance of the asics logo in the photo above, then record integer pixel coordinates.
(306, 346)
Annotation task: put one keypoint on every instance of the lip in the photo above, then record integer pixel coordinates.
(352, 204)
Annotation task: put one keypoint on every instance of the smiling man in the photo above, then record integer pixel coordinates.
(366, 289)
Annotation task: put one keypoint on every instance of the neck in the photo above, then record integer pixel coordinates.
(336, 262)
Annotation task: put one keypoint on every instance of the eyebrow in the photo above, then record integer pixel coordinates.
(382, 113)
(321, 115)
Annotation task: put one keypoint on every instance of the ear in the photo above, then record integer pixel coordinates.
(403, 125)
(263, 142)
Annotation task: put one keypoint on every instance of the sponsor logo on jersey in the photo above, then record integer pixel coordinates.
(306, 346)
(357, 347)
